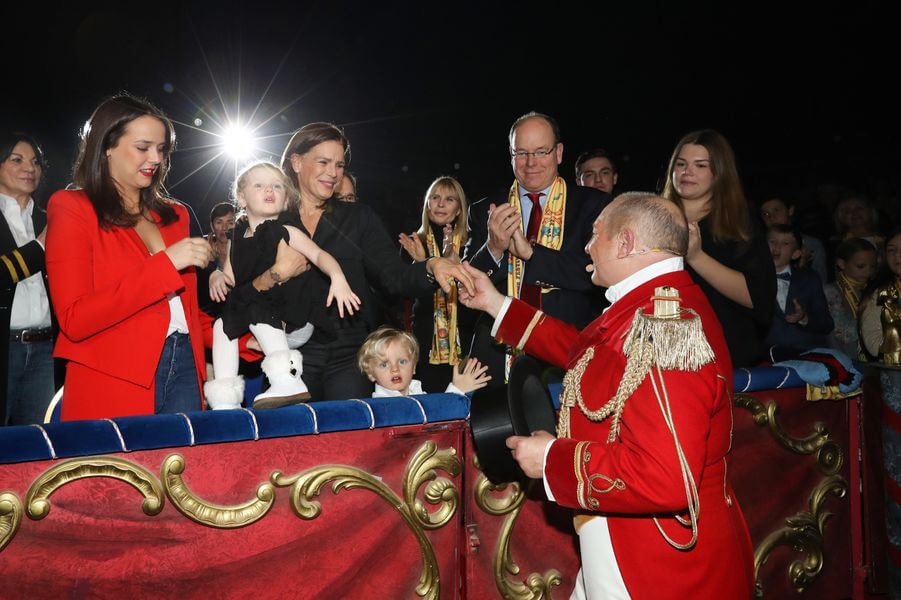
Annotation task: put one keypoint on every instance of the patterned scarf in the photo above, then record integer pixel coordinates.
(445, 336)
(549, 236)
(851, 290)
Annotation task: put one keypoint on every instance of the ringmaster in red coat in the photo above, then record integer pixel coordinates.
(645, 426)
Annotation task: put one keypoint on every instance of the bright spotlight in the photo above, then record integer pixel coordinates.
(237, 142)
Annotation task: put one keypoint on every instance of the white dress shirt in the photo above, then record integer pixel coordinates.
(31, 307)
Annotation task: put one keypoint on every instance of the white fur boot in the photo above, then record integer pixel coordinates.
(283, 369)
(224, 393)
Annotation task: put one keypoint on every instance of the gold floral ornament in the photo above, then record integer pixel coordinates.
(804, 533)
(37, 499)
(10, 517)
(207, 513)
(420, 470)
(536, 586)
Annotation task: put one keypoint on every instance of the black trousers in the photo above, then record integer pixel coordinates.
(330, 367)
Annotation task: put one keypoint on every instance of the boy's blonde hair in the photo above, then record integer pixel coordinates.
(373, 349)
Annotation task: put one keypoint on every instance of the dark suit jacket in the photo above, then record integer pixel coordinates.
(574, 300)
(805, 287)
(11, 272)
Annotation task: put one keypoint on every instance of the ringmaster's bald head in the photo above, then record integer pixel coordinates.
(634, 231)
(657, 222)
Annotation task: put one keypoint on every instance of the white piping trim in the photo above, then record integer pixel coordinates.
(315, 419)
(256, 427)
(747, 385)
(190, 427)
(371, 414)
(47, 439)
(787, 375)
(118, 433)
(425, 419)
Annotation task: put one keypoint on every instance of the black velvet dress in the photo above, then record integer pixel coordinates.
(290, 303)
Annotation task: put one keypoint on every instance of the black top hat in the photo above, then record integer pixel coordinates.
(520, 408)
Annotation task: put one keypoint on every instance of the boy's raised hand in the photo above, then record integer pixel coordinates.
(474, 376)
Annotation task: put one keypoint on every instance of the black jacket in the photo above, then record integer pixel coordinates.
(574, 299)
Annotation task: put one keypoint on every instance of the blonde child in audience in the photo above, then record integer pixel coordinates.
(388, 357)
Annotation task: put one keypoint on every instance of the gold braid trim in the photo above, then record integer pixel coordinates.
(670, 339)
(21, 261)
(12, 270)
(577, 467)
(536, 318)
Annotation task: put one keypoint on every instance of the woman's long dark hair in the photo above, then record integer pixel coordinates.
(92, 173)
(728, 217)
(305, 139)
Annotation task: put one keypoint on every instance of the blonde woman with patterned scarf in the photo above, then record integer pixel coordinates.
(436, 318)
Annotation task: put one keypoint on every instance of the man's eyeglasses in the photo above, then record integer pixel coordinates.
(540, 153)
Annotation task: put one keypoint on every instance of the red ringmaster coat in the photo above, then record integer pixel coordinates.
(110, 297)
(643, 457)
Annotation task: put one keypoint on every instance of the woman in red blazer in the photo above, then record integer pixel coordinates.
(121, 270)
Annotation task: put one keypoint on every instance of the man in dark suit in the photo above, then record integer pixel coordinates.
(532, 243)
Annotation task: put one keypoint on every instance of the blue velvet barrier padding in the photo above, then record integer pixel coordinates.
(445, 407)
(216, 426)
(765, 378)
(162, 431)
(340, 415)
(555, 389)
(20, 443)
(398, 410)
(285, 422)
(82, 438)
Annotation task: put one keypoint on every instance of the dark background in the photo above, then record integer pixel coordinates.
(805, 94)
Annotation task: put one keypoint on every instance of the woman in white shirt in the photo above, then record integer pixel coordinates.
(27, 358)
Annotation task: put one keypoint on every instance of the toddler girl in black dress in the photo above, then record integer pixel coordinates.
(264, 194)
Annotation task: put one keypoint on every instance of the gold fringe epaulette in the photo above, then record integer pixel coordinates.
(675, 338)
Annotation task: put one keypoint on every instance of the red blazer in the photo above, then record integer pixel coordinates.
(581, 470)
(110, 299)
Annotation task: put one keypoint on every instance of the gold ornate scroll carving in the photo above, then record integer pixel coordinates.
(830, 456)
(536, 586)
(804, 533)
(207, 513)
(37, 499)
(10, 517)
(421, 470)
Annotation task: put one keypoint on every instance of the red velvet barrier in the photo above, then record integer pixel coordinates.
(541, 540)
(781, 464)
(97, 543)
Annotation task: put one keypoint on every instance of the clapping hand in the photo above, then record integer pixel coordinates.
(798, 314)
(520, 246)
(413, 245)
(503, 220)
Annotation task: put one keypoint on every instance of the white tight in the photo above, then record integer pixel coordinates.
(225, 351)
